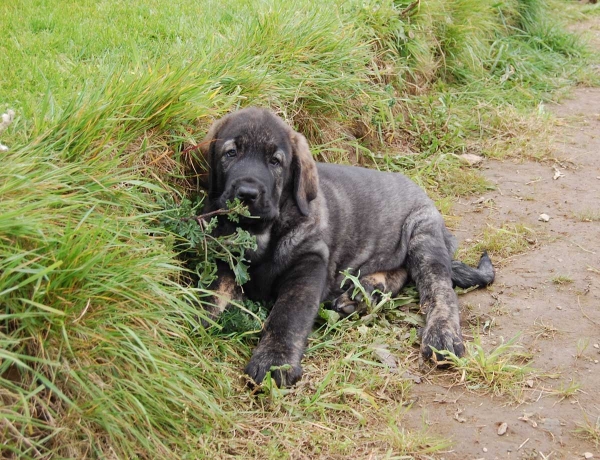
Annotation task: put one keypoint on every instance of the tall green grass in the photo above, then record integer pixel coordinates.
(101, 350)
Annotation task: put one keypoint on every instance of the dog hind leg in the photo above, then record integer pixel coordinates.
(391, 281)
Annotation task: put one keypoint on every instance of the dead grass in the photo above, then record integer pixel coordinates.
(564, 390)
(590, 430)
(348, 403)
(501, 243)
(543, 330)
(588, 215)
(516, 136)
(561, 280)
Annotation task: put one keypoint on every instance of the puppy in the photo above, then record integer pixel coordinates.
(312, 221)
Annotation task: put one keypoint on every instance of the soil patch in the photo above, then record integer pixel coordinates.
(550, 295)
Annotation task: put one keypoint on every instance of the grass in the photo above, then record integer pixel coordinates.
(542, 330)
(591, 9)
(589, 215)
(582, 345)
(565, 391)
(502, 243)
(101, 349)
(561, 280)
(501, 371)
(590, 430)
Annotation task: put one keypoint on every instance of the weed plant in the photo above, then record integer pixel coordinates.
(102, 354)
(589, 430)
(501, 371)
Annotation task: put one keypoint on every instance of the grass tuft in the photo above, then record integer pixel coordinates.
(501, 371)
(562, 279)
(501, 243)
(590, 215)
(590, 430)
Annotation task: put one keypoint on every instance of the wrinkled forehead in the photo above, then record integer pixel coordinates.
(255, 130)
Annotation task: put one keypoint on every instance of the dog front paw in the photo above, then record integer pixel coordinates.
(441, 335)
(285, 370)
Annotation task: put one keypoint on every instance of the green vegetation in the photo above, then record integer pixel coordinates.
(562, 279)
(566, 390)
(501, 371)
(590, 430)
(101, 349)
(501, 243)
(589, 215)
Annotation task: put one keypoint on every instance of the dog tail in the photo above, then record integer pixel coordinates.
(464, 276)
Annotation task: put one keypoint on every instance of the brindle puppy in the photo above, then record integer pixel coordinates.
(314, 220)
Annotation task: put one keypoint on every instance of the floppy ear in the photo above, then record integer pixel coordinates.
(207, 148)
(306, 179)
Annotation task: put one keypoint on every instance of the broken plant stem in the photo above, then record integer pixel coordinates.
(584, 314)
(593, 269)
(199, 218)
(581, 247)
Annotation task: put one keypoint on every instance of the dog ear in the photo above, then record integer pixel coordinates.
(207, 149)
(306, 179)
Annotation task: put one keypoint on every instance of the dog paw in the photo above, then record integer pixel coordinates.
(441, 335)
(345, 305)
(285, 371)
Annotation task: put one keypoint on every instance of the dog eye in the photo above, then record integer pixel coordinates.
(274, 161)
(231, 153)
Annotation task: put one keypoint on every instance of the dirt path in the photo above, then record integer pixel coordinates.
(550, 294)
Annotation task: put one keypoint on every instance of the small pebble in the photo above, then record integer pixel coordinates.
(471, 159)
(559, 307)
(485, 449)
(502, 428)
(588, 455)
(544, 217)
(595, 361)
(596, 345)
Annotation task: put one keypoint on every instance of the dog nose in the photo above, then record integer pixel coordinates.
(247, 193)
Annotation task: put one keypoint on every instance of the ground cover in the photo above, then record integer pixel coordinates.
(101, 350)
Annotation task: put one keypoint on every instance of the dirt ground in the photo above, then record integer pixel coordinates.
(550, 294)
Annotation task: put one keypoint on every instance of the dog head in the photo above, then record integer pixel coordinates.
(256, 157)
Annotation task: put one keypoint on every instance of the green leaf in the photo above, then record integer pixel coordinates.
(332, 317)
